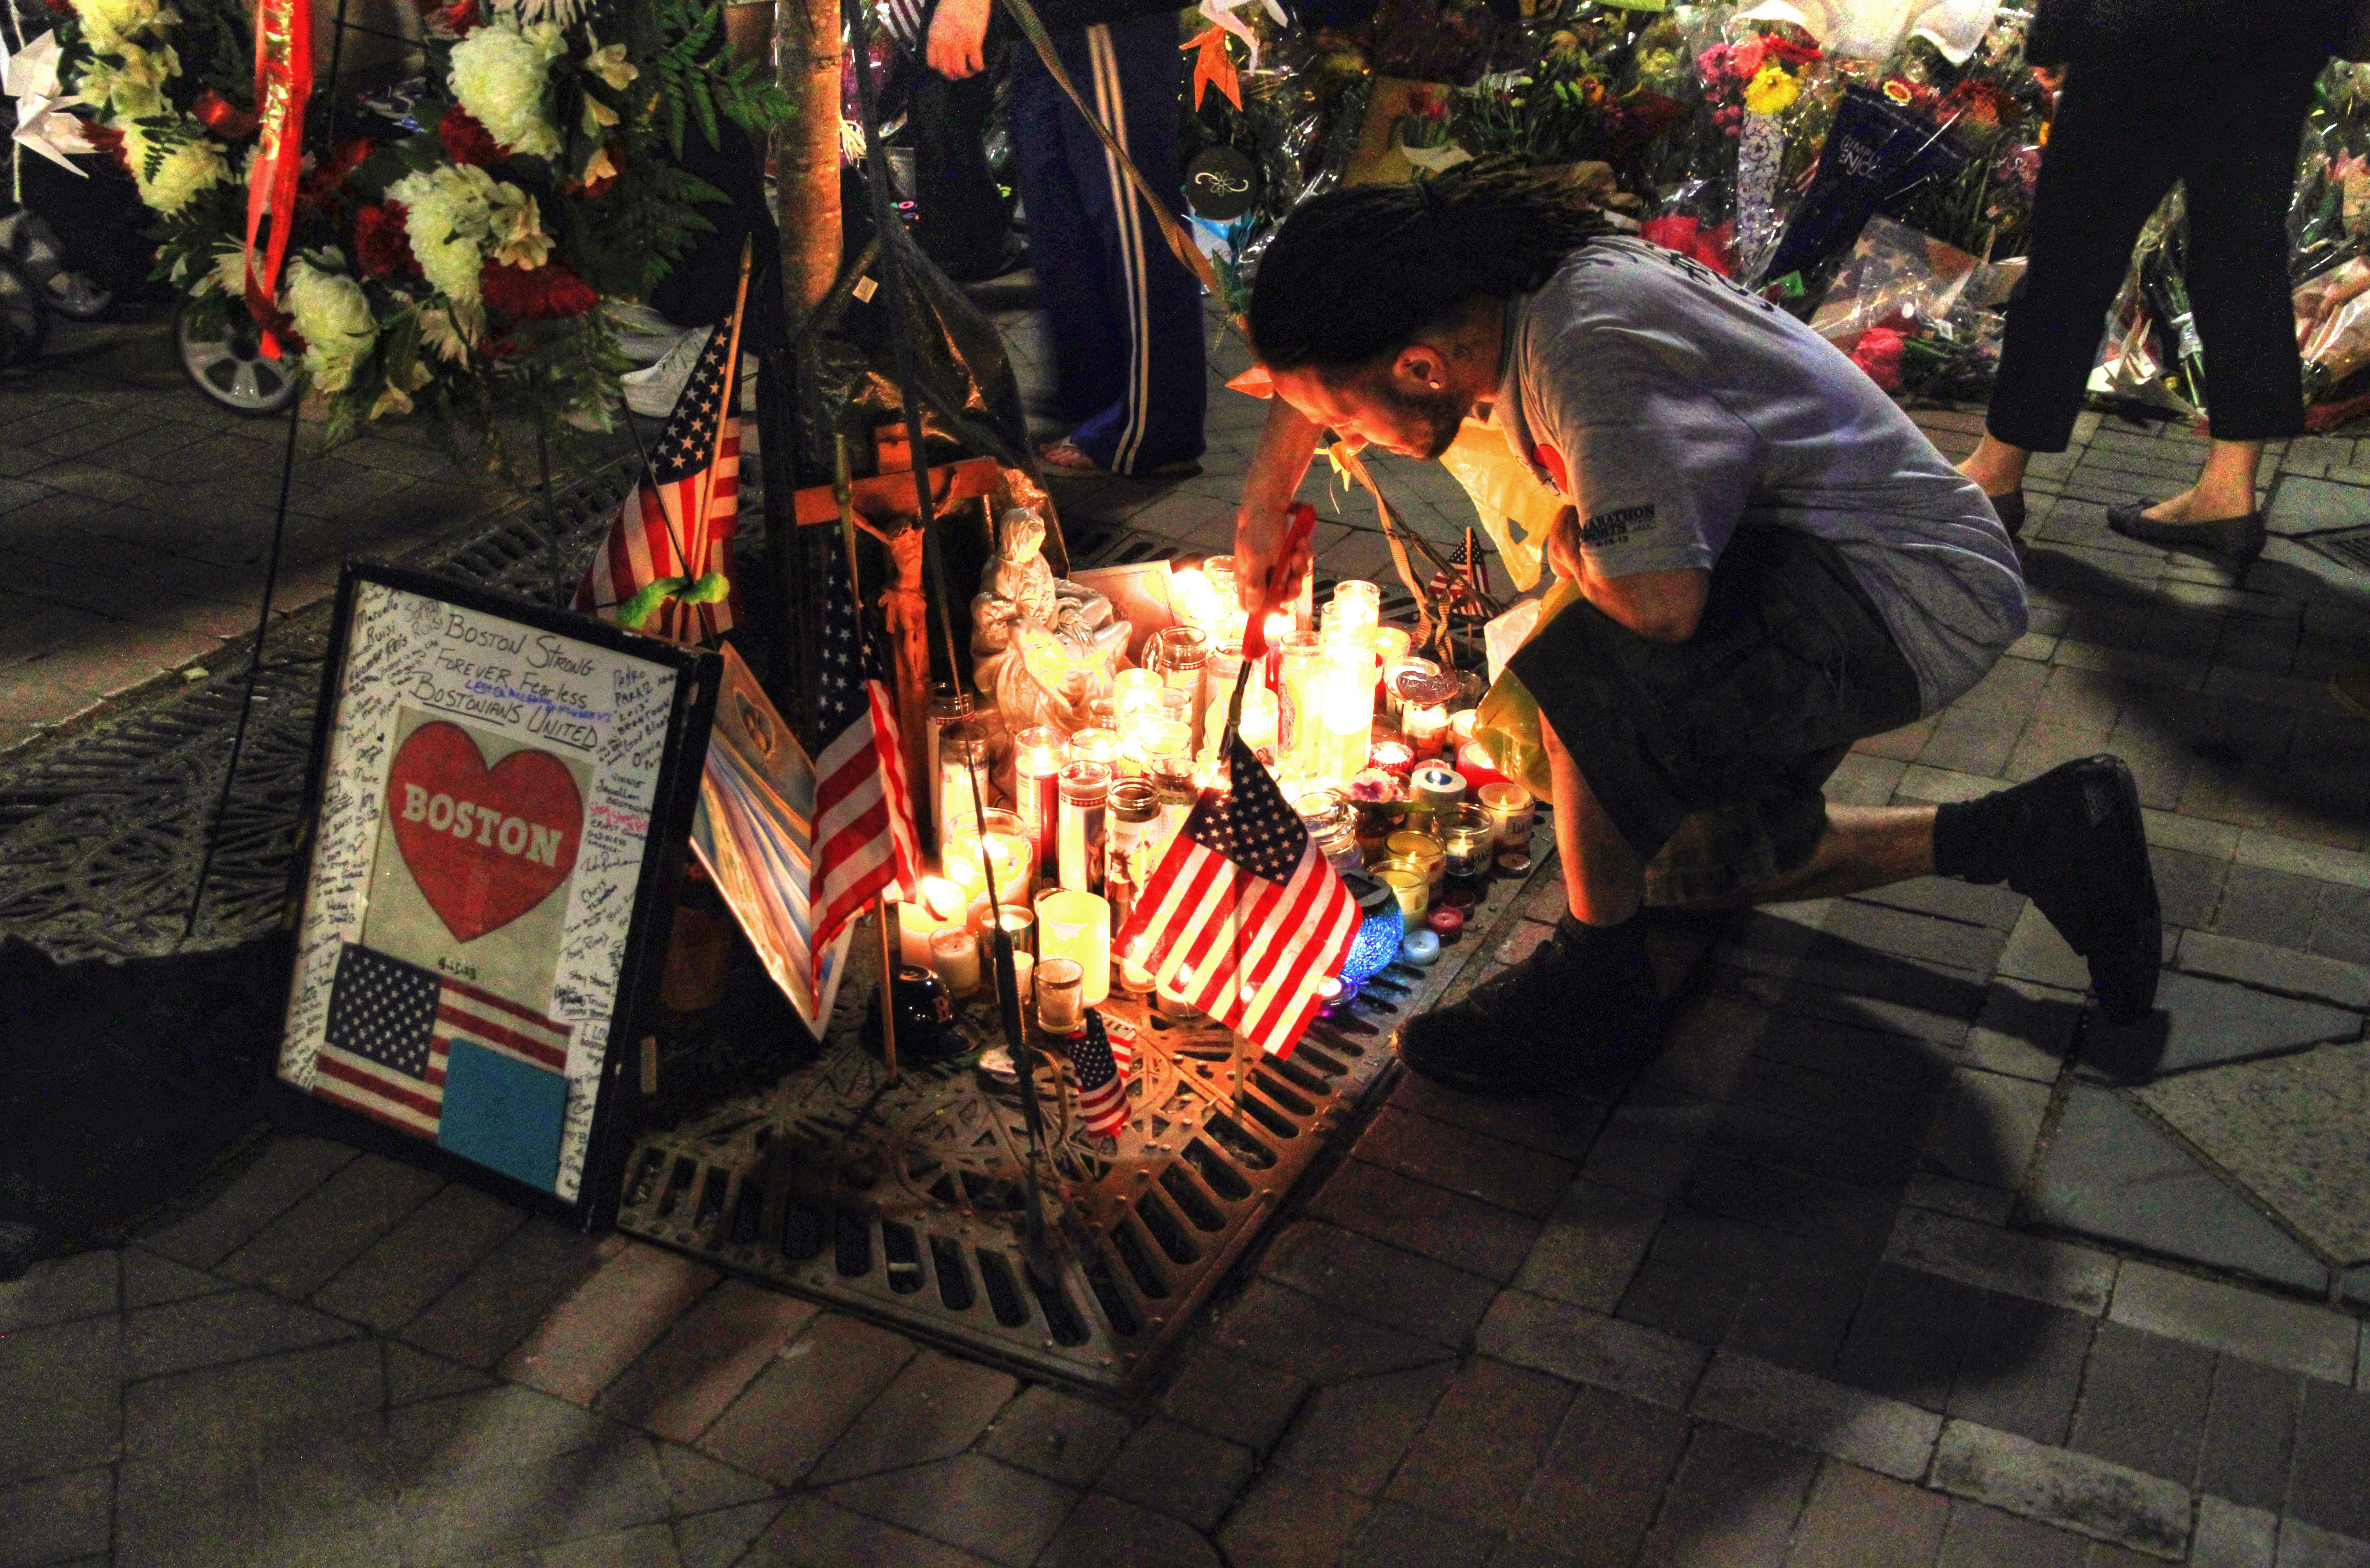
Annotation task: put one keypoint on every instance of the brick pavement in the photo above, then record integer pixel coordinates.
(1776, 1302)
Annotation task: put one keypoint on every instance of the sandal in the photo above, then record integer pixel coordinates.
(1063, 456)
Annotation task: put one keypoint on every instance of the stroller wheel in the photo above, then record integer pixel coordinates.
(24, 319)
(227, 364)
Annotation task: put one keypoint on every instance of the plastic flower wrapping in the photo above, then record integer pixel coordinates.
(452, 254)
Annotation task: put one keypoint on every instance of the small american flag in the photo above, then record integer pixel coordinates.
(1102, 1058)
(1458, 585)
(1243, 916)
(680, 520)
(864, 812)
(391, 1030)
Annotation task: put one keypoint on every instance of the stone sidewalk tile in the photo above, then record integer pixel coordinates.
(722, 1538)
(1058, 1436)
(2073, 1492)
(2023, 1368)
(645, 1546)
(2026, 1030)
(1002, 1514)
(288, 1168)
(2276, 969)
(2144, 1402)
(697, 1484)
(1962, 1200)
(1487, 1436)
(1851, 1218)
(799, 1406)
(1446, 1227)
(2309, 1546)
(1352, 1437)
(1291, 1521)
(1378, 1283)
(2231, 1537)
(1734, 1502)
(1564, 1129)
(1597, 1485)
(419, 1260)
(2251, 1428)
(61, 1386)
(1857, 1519)
(531, 1503)
(1317, 1341)
(1582, 1346)
(1240, 1401)
(1592, 1245)
(597, 1330)
(501, 1299)
(1876, 1434)
(2036, 952)
(2311, 1340)
(1977, 1537)
(1910, 933)
(60, 1517)
(685, 1380)
(2256, 846)
(1492, 1169)
(221, 1407)
(1649, 1149)
(207, 1331)
(329, 1227)
(934, 1410)
(59, 1289)
(414, 1375)
(1179, 1471)
(813, 1533)
(2056, 1273)
(1104, 1532)
(1971, 903)
(2333, 1456)
(1911, 1337)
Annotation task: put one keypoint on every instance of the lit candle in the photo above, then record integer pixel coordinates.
(1085, 792)
(1473, 761)
(962, 756)
(1345, 714)
(1258, 723)
(1468, 839)
(1408, 885)
(1420, 851)
(1391, 644)
(1509, 806)
(1131, 689)
(1037, 765)
(1303, 657)
(954, 956)
(1393, 757)
(1002, 847)
(1076, 925)
(1133, 977)
(941, 902)
(1461, 723)
(1061, 1000)
(1437, 787)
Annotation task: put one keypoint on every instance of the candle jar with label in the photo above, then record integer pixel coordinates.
(1130, 826)
(1131, 688)
(1061, 996)
(1000, 844)
(1037, 767)
(954, 958)
(962, 750)
(949, 704)
(1509, 806)
(1078, 830)
(1469, 841)
(1076, 925)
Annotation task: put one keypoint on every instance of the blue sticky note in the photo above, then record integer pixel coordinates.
(503, 1114)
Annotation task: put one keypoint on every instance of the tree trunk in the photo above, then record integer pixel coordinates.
(807, 62)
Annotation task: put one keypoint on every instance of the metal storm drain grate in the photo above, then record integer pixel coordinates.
(2349, 547)
(101, 833)
(906, 1202)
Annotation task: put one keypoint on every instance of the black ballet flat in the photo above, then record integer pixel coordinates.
(2233, 540)
(2011, 508)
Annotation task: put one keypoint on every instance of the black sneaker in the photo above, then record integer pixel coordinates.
(1583, 1004)
(2073, 841)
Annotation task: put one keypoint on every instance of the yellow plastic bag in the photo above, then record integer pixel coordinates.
(1516, 510)
(1508, 724)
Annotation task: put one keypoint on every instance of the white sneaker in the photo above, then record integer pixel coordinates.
(651, 393)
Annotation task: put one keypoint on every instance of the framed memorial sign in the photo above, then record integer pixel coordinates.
(499, 801)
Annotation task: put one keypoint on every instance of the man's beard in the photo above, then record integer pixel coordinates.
(1437, 416)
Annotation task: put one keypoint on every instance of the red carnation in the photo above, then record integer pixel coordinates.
(466, 141)
(460, 18)
(1880, 352)
(330, 172)
(548, 292)
(107, 139)
(381, 245)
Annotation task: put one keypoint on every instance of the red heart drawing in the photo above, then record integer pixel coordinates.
(484, 844)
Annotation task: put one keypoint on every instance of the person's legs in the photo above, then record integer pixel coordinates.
(1066, 251)
(2111, 160)
(1132, 79)
(963, 225)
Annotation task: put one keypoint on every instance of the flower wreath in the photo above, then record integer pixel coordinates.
(458, 265)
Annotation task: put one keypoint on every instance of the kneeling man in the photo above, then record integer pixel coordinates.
(1775, 563)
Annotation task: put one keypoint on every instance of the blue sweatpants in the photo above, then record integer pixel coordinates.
(1126, 315)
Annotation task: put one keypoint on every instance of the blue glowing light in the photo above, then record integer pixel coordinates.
(1377, 942)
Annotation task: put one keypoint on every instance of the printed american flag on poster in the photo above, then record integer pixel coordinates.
(390, 1034)
(1101, 1058)
(1243, 916)
(683, 514)
(864, 811)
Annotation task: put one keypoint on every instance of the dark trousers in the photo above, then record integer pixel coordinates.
(961, 223)
(1125, 314)
(2123, 133)
(699, 288)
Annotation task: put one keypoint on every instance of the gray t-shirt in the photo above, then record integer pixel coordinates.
(1672, 407)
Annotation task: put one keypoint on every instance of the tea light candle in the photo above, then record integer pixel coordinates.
(1446, 923)
(1420, 851)
(1133, 689)
(1461, 723)
(1077, 925)
(1420, 948)
(1133, 977)
(1036, 764)
(1103, 746)
(1408, 885)
(1509, 806)
(1437, 787)
(1473, 763)
(943, 903)
(1395, 757)
(1061, 996)
(954, 956)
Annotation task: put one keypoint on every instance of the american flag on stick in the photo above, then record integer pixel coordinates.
(1243, 916)
(864, 811)
(390, 1034)
(680, 520)
(1102, 1058)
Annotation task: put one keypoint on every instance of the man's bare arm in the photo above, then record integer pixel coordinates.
(1664, 607)
(1286, 444)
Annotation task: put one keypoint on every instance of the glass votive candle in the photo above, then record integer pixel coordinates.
(1103, 713)
(1061, 996)
(1421, 850)
(1131, 688)
(1258, 722)
(1071, 924)
(1159, 738)
(1085, 795)
(1423, 711)
(1408, 885)
(1509, 806)
(1000, 843)
(1036, 766)
(1461, 723)
(941, 903)
(954, 958)
(1468, 839)
(1094, 746)
(1392, 755)
(962, 760)
(1391, 644)
(1357, 602)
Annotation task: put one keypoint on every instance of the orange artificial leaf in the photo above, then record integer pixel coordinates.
(1254, 382)
(1213, 67)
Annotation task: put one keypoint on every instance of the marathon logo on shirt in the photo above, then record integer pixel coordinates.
(1617, 526)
